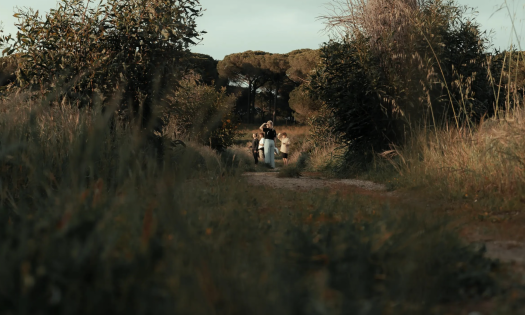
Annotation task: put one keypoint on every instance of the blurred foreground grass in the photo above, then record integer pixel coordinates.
(95, 220)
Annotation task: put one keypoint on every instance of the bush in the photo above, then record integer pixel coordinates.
(134, 48)
(381, 83)
(200, 113)
(302, 160)
(303, 104)
(8, 67)
(289, 171)
(348, 83)
(237, 159)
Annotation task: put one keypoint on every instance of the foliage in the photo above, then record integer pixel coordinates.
(290, 171)
(8, 66)
(137, 48)
(432, 71)
(200, 113)
(91, 222)
(275, 67)
(269, 78)
(507, 70)
(302, 63)
(348, 84)
(302, 160)
(303, 104)
(321, 128)
(206, 67)
(245, 68)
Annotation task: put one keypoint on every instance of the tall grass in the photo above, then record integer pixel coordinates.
(482, 157)
(488, 162)
(95, 219)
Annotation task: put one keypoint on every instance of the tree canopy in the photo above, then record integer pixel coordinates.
(133, 48)
(274, 74)
(275, 67)
(246, 69)
(302, 63)
(206, 67)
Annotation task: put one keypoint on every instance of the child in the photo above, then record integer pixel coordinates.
(261, 146)
(255, 148)
(285, 143)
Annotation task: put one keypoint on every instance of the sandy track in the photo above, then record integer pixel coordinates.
(308, 183)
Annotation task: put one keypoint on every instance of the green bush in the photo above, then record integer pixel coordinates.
(136, 50)
(303, 104)
(200, 113)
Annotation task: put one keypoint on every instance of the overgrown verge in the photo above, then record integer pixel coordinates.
(486, 164)
(95, 220)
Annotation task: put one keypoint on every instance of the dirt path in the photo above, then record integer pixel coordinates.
(308, 183)
(507, 251)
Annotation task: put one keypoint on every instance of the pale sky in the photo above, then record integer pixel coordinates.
(280, 26)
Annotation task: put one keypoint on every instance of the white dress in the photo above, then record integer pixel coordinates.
(261, 148)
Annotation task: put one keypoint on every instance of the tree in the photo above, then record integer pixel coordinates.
(303, 103)
(245, 69)
(302, 63)
(137, 49)
(201, 113)
(277, 73)
(206, 67)
(348, 83)
(275, 67)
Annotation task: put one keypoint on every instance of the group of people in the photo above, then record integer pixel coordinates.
(263, 145)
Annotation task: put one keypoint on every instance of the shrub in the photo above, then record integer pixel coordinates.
(237, 159)
(85, 52)
(303, 104)
(201, 114)
(302, 160)
(8, 67)
(289, 171)
(347, 83)
(380, 83)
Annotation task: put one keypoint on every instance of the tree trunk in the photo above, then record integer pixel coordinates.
(253, 92)
(275, 101)
(249, 100)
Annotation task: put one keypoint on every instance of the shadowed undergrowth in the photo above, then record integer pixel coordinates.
(99, 221)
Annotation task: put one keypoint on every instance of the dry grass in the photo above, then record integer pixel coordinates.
(292, 131)
(323, 159)
(302, 151)
(486, 163)
(86, 212)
